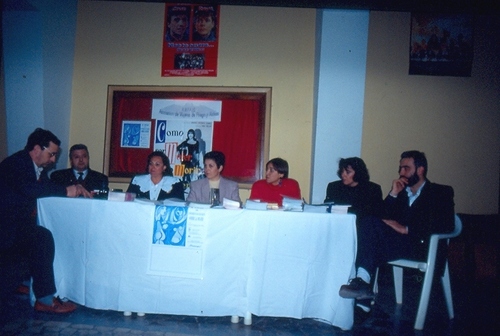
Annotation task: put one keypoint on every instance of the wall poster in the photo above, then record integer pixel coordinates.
(185, 123)
(190, 40)
(441, 45)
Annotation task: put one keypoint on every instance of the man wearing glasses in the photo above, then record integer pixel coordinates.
(23, 179)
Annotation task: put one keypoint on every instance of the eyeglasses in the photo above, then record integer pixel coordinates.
(52, 154)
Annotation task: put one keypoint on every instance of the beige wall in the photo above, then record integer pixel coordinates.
(454, 120)
(120, 43)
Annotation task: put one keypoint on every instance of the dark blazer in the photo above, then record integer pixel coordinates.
(432, 212)
(19, 190)
(93, 181)
(364, 199)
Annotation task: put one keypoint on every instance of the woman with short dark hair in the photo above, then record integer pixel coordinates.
(355, 189)
(276, 184)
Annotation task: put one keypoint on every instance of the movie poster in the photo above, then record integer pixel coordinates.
(441, 45)
(184, 131)
(190, 40)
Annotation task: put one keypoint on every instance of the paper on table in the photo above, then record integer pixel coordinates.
(339, 209)
(230, 204)
(293, 204)
(255, 205)
(315, 208)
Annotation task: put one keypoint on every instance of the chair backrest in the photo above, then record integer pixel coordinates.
(433, 243)
(453, 234)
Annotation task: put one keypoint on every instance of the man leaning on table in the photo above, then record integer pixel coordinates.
(415, 209)
(80, 172)
(23, 179)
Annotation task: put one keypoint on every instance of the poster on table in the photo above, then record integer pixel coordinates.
(177, 244)
(190, 40)
(184, 132)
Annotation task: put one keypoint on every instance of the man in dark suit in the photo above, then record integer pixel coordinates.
(415, 209)
(80, 173)
(23, 179)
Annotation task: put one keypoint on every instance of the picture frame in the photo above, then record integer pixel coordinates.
(441, 44)
(242, 134)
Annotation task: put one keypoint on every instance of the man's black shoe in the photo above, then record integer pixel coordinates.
(356, 289)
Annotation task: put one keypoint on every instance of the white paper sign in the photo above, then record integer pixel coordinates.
(177, 245)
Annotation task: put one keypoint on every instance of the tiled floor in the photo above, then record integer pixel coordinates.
(476, 310)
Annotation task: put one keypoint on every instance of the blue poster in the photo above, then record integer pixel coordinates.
(170, 225)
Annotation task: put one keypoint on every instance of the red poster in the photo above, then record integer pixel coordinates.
(190, 40)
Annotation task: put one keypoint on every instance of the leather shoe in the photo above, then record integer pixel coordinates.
(58, 306)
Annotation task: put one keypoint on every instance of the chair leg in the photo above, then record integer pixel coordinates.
(375, 283)
(398, 283)
(445, 280)
(424, 298)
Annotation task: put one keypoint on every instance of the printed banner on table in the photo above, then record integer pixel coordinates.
(177, 243)
(190, 40)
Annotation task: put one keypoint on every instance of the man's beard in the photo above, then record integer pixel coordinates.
(412, 180)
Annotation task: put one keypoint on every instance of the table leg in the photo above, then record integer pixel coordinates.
(247, 320)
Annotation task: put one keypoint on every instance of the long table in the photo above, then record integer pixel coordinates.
(267, 263)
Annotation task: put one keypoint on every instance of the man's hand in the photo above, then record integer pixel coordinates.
(396, 226)
(398, 185)
(77, 190)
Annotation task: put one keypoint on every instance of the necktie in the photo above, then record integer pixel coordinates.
(80, 177)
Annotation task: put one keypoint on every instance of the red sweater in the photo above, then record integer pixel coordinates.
(266, 192)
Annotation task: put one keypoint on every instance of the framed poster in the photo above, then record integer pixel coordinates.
(142, 119)
(441, 45)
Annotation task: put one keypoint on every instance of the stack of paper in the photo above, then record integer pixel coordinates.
(255, 205)
(315, 208)
(339, 209)
(292, 204)
(230, 204)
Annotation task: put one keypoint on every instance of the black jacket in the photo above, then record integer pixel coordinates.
(93, 181)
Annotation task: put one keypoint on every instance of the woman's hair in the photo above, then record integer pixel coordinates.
(218, 157)
(280, 165)
(358, 165)
(192, 132)
(166, 162)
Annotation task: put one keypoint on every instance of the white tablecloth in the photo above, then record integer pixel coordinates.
(269, 263)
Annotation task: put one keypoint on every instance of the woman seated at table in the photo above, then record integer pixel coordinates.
(355, 189)
(159, 183)
(276, 184)
(214, 188)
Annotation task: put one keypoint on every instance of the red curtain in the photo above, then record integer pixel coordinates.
(238, 135)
